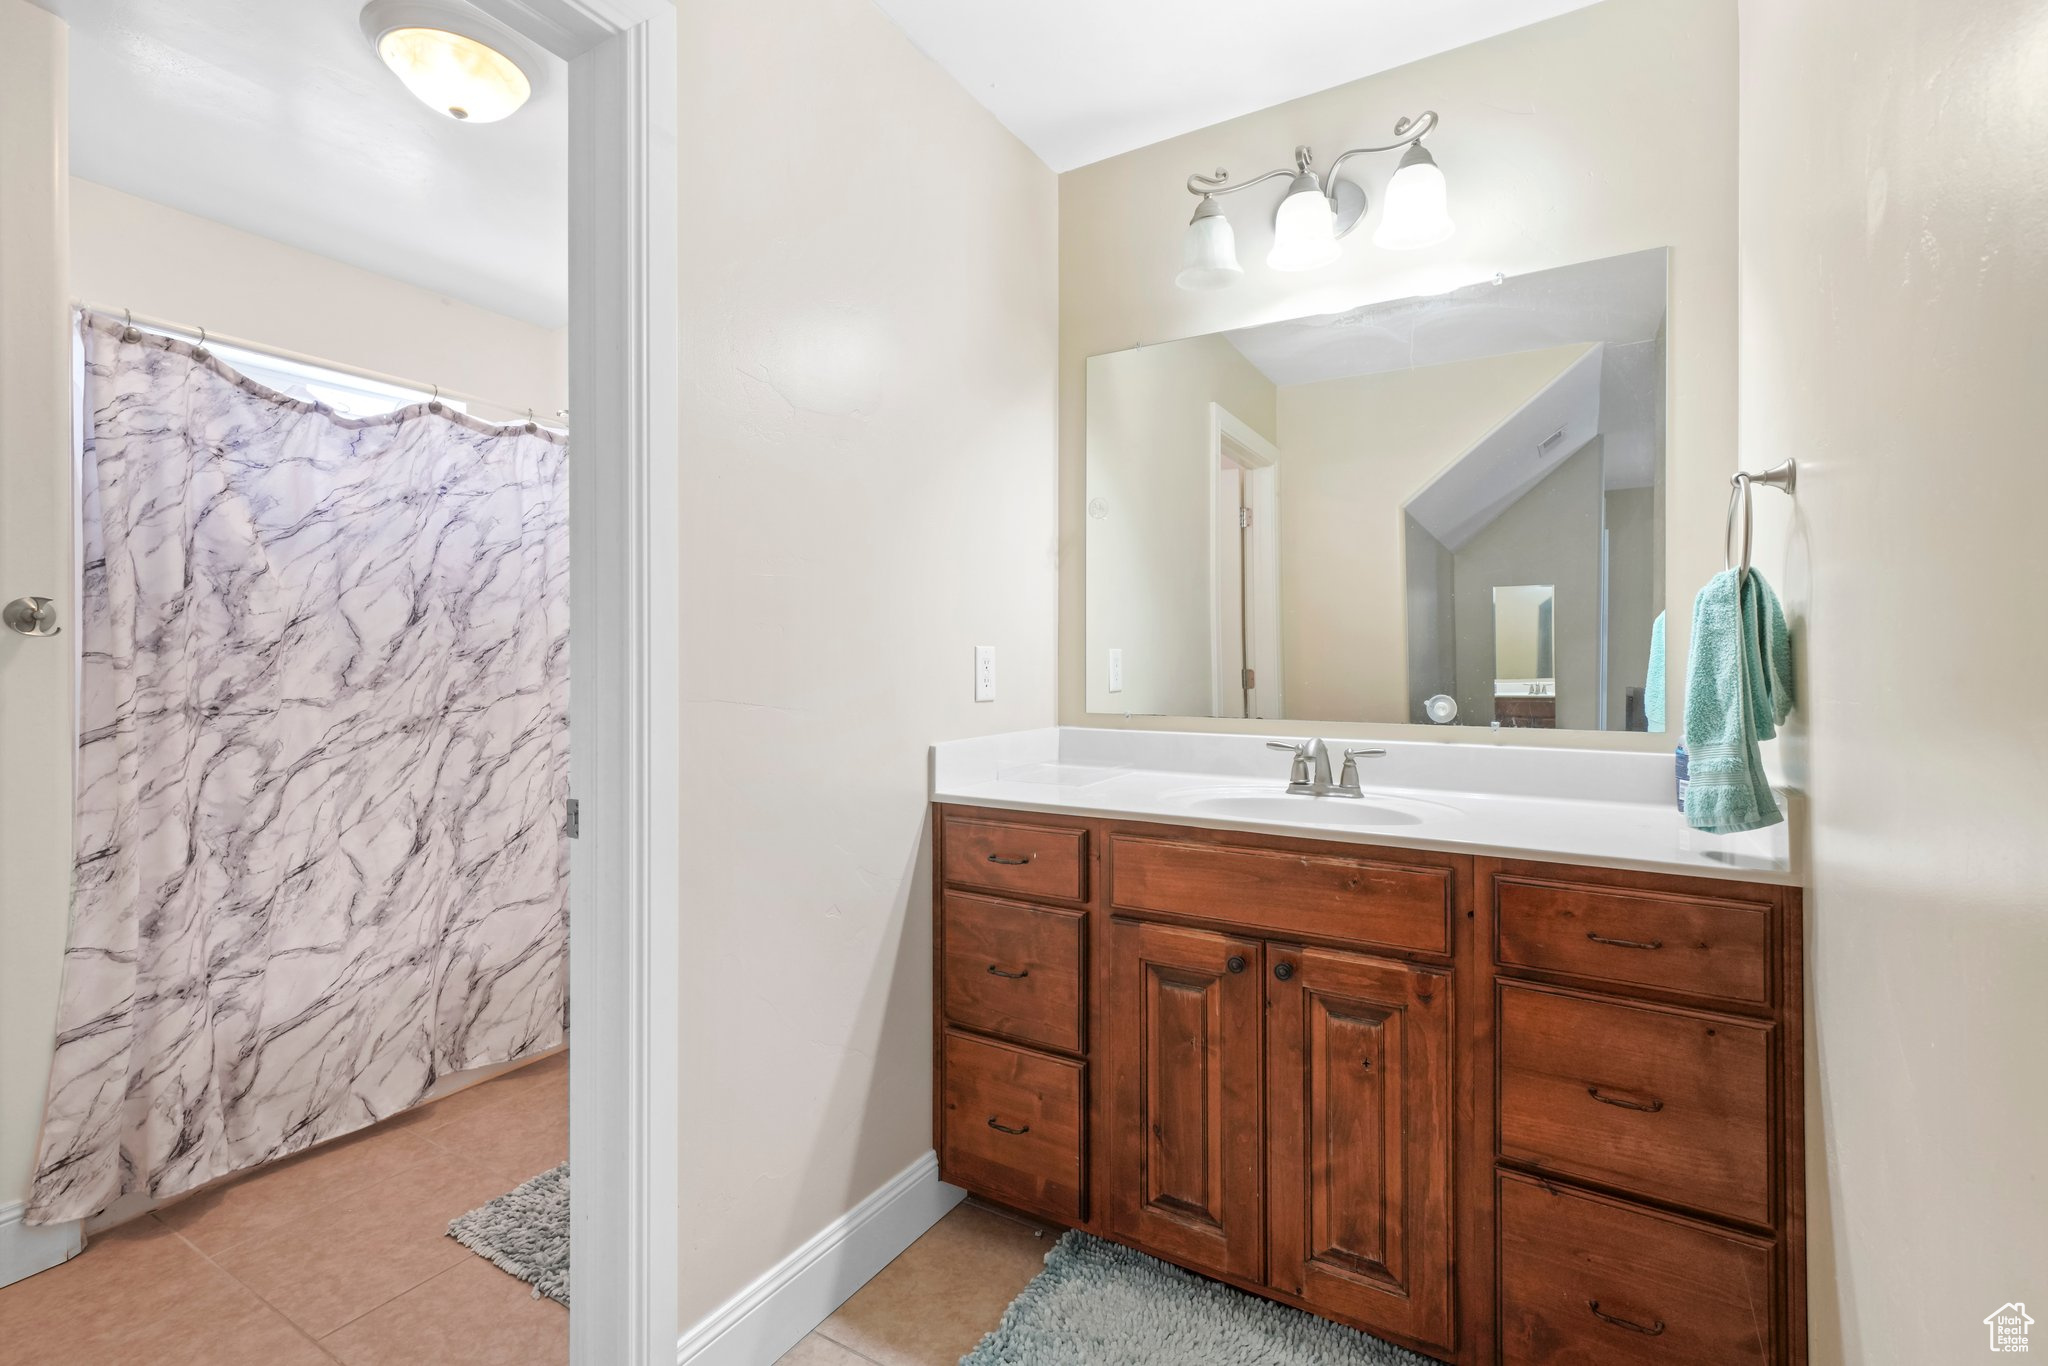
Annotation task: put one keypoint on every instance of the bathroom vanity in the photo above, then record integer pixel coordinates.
(1497, 1061)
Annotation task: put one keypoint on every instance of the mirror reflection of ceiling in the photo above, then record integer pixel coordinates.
(1081, 80)
(1615, 306)
(276, 117)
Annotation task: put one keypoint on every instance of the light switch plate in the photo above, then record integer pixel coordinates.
(1116, 670)
(984, 673)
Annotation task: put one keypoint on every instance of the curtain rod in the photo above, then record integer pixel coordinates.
(156, 324)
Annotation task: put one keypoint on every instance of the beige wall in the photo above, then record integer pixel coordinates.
(1151, 462)
(134, 253)
(35, 557)
(1607, 130)
(1894, 207)
(1352, 453)
(867, 408)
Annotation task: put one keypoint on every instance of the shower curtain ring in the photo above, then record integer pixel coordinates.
(531, 425)
(200, 349)
(434, 403)
(128, 332)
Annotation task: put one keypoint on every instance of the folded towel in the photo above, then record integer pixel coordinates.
(1653, 682)
(1738, 692)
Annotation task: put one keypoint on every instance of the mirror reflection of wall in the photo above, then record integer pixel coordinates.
(1420, 456)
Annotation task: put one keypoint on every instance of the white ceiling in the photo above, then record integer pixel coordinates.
(1080, 80)
(274, 116)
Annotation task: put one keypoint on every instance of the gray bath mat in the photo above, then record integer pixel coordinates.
(1097, 1304)
(525, 1232)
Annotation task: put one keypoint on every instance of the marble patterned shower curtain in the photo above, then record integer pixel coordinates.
(321, 771)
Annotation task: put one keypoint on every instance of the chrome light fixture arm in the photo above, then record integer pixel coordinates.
(1347, 198)
(1408, 132)
(1219, 183)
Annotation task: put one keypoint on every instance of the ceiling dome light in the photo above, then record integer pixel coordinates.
(1208, 250)
(453, 60)
(1304, 227)
(1417, 211)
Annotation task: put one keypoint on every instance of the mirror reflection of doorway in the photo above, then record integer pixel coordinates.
(1524, 654)
(1244, 570)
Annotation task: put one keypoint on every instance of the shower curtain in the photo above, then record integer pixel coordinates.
(321, 770)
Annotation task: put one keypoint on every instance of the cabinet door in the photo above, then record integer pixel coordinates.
(1181, 1045)
(1359, 1067)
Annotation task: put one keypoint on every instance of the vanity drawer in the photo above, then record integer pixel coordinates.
(1702, 946)
(1597, 1283)
(1362, 900)
(1017, 856)
(1014, 970)
(1013, 1125)
(1671, 1104)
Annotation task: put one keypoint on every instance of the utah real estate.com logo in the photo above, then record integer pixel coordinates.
(2008, 1326)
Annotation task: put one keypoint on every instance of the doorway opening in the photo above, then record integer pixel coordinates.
(1244, 571)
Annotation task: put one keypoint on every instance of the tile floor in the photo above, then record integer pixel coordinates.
(932, 1304)
(337, 1255)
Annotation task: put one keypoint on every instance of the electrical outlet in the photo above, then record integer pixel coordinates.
(1116, 670)
(984, 673)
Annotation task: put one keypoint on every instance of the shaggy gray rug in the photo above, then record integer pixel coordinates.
(525, 1232)
(1097, 1304)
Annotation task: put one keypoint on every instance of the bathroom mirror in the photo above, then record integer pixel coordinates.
(1354, 516)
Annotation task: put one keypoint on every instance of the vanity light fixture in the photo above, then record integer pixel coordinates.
(454, 60)
(1318, 211)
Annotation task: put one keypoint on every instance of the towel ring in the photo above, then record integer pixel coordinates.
(1741, 486)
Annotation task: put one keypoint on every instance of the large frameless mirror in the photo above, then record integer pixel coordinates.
(1444, 510)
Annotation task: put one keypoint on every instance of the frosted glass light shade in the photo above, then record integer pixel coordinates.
(1417, 210)
(457, 76)
(1304, 228)
(1208, 251)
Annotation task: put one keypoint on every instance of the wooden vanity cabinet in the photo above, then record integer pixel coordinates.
(1494, 1111)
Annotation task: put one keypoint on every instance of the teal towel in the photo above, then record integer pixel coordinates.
(1653, 682)
(1738, 692)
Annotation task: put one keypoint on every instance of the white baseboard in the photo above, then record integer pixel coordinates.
(26, 1249)
(772, 1315)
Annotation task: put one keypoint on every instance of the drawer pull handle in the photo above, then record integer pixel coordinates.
(1648, 1107)
(1006, 1129)
(1625, 943)
(995, 971)
(1647, 1330)
(1009, 862)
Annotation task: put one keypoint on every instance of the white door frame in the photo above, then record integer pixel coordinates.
(1231, 437)
(624, 708)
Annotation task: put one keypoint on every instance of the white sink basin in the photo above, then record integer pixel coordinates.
(1278, 804)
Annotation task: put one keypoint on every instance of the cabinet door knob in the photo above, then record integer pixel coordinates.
(1236, 963)
(1284, 971)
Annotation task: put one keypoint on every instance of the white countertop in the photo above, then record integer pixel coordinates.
(1600, 807)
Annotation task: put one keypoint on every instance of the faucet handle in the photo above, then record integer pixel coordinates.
(1349, 778)
(1298, 774)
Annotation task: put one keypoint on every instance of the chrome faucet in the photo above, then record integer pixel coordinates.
(1309, 775)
